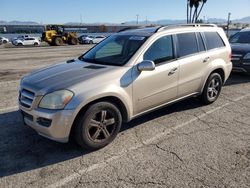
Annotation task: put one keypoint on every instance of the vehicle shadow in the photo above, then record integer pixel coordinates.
(237, 78)
(21, 149)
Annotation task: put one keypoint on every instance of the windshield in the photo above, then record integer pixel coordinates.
(115, 50)
(241, 37)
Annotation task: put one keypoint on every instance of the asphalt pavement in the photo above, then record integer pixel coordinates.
(182, 145)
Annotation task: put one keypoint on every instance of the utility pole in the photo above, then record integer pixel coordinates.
(81, 19)
(228, 23)
(137, 19)
(146, 20)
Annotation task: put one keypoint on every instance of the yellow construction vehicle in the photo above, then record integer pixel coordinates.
(55, 35)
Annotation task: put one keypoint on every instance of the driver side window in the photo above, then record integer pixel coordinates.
(160, 51)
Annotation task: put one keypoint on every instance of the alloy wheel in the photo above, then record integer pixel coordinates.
(101, 126)
(213, 88)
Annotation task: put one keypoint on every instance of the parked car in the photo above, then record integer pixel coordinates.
(20, 37)
(26, 41)
(4, 40)
(129, 74)
(240, 43)
(93, 39)
(81, 38)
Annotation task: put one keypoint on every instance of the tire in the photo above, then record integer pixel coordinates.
(4, 41)
(19, 44)
(58, 41)
(91, 42)
(73, 41)
(212, 89)
(96, 135)
(35, 44)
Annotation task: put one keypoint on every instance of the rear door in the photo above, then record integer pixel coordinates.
(193, 62)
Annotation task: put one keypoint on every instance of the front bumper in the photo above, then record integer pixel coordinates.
(240, 65)
(57, 126)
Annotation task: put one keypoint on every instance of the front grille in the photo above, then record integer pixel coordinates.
(236, 57)
(26, 98)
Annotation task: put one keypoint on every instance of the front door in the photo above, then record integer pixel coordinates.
(153, 88)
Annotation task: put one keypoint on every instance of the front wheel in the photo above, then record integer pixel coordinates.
(212, 89)
(58, 41)
(98, 126)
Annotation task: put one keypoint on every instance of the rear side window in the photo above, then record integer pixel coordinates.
(200, 43)
(187, 44)
(213, 40)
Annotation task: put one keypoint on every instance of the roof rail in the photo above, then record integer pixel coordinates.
(184, 25)
(130, 28)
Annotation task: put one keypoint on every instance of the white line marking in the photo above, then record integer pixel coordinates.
(3, 110)
(81, 172)
(9, 82)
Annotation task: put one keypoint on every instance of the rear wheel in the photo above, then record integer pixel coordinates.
(19, 44)
(35, 44)
(58, 41)
(4, 41)
(98, 126)
(212, 89)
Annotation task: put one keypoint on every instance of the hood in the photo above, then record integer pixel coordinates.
(240, 48)
(62, 76)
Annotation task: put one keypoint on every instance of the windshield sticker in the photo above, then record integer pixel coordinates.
(136, 38)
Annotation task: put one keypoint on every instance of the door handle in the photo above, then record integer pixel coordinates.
(206, 59)
(174, 70)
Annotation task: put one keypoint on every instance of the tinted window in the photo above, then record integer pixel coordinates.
(213, 40)
(200, 43)
(187, 44)
(161, 50)
(241, 37)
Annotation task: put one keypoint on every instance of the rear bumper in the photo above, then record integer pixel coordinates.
(52, 124)
(229, 67)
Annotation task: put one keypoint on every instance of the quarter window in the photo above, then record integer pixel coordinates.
(187, 44)
(160, 51)
(213, 40)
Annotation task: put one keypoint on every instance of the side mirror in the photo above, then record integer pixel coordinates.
(146, 65)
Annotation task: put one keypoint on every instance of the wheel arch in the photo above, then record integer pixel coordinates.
(218, 70)
(112, 99)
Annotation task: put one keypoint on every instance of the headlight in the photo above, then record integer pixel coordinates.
(247, 56)
(56, 100)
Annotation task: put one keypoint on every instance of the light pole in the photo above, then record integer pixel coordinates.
(228, 23)
(137, 19)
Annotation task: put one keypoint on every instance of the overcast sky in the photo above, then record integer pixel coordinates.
(113, 11)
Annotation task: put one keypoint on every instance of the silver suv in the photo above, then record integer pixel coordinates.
(127, 75)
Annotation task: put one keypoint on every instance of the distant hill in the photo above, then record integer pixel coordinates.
(133, 22)
(18, 23)
(243, 20)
